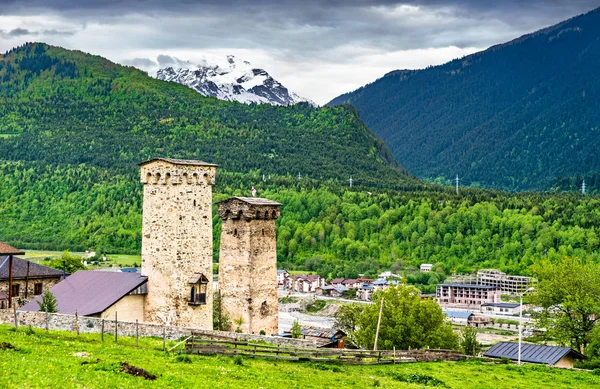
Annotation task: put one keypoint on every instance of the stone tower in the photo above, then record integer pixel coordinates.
(177, 241)
(248, 263)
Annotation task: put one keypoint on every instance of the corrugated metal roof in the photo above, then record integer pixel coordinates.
(191, 162)
(6, 249)
(20, 269)
(458, 314)
(532, 353)
(91, 292)
(501, 305)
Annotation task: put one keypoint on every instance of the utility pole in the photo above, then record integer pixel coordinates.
(378, 324)
(457, 184)
(583, 187)
(264, 178)
(350, 180)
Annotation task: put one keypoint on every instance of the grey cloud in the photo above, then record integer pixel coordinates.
(139, 62)
(22, 32)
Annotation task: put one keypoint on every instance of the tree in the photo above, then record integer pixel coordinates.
(568, 292)
(468, 341)
(296, 330)
(238, 324)
(407, 321)
(221, 320)
(48, 302)
(68, 263)
(346, 318)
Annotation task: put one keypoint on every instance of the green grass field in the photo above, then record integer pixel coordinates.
(47, 361)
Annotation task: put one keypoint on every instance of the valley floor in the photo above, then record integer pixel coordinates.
(65, 360)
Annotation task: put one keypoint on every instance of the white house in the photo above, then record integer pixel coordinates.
(426, 267)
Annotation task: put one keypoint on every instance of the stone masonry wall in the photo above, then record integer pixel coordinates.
(62, 322)
(248, 265)
(47, 283)
(176, 240)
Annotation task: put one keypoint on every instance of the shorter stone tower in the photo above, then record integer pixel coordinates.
(248, 263)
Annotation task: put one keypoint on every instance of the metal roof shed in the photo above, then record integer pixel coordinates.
(535, 353)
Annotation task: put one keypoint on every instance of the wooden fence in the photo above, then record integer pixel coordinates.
(204, 346)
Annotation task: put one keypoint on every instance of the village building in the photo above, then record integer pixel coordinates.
(23, 279)
(177, 241)
(282, 276)
(324, 337)
(426, 267)
(305, 283)
(102, 294)
(466, 295)
(248, 263)
(501, 308)
(511, 285)
(332, 290)
(337, 281)
(365, 292)
(351, 283)
(465, 318)
(387, 275)
(535, 353)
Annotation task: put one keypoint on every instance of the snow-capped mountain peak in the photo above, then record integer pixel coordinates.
(232, 80)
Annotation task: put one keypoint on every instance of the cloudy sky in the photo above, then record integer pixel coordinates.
(318, 49)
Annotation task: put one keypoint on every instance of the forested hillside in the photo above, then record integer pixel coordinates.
(516, 116)
(67, 107)
(75, 126)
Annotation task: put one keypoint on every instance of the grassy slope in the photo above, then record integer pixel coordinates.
(46, 361)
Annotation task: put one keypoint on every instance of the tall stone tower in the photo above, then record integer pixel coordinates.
(248, 263)
(177, 241)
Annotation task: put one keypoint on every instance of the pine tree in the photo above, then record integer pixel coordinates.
(48, 302)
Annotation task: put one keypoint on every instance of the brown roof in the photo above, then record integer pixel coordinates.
(20, 269)
(191, 162)
(337, 281)
(91, 292)
(252, 200)
(6, 249)
(347, 282)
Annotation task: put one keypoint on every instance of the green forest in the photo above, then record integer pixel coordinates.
(75, 126)
(523, 115)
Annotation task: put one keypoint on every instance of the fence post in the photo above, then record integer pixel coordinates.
(164, 338)
(394, 355)
(76, 322)
(116, 327)
(14, 305)
(102, 330)
(137, 334)
(46, 320)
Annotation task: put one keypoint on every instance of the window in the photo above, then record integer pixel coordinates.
(198, 284)
(235, 232)
(37, 289)
(15, 290)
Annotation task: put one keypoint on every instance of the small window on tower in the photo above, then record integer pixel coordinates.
(263, 232)
(198, 284)
(194, 203)
(37, 289)
(235, 232)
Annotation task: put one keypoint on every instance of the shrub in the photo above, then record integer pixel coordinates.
(184, 358)
(238, 360)
(418, 378)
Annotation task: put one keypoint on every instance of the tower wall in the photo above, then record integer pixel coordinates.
(248, 265)
(177, 239)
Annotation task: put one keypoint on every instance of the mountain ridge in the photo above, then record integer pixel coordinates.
(235, 80)
(495, 117)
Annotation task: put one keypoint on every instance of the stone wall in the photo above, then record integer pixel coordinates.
(62, 322)
(177, 239)
(248, 264)
(47, 283)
